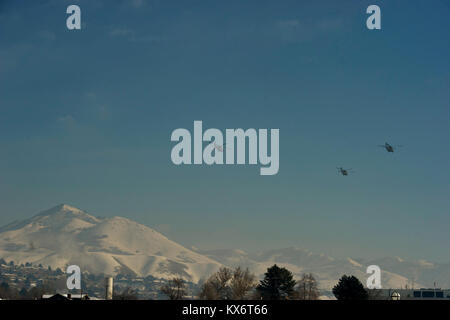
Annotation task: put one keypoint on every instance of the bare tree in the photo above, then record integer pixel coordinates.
(242, 283)
(228, 284)
(217, 286)
(307, 288)
(175, 289)
(209, 291)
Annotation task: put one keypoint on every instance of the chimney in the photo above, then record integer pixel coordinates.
(109, 288)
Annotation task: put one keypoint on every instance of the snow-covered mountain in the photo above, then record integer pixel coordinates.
(65, 235)
(395, 272)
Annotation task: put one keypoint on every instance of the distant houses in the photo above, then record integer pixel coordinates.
(410, 294)
(67, 296)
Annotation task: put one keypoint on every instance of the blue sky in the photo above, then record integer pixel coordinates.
(86, 118)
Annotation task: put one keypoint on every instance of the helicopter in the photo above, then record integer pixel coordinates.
(388, 147)
(343, 171)
(219, 147)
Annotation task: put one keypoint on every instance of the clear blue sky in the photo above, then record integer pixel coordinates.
(86, 118)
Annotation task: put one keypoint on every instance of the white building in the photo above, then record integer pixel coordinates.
(410, 294)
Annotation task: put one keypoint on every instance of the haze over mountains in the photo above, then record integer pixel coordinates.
(395, 272)
(65, 235)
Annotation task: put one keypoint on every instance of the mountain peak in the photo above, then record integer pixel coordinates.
(66, 207)
(67, 235)
(67, 211)
(61, 208)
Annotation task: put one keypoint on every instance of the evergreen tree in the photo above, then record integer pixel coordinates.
(278, 284)
(350, 288)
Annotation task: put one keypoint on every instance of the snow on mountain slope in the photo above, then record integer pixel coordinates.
(66, 235)
(326, 269)
(426, 273)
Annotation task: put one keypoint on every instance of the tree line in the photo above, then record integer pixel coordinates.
(241, 284)
(229, 284)
(11, 293)
(278, 284)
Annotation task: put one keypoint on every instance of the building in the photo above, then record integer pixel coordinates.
(410, 294)
(68, 296)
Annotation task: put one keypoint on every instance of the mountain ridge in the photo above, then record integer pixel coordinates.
(65, 235)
